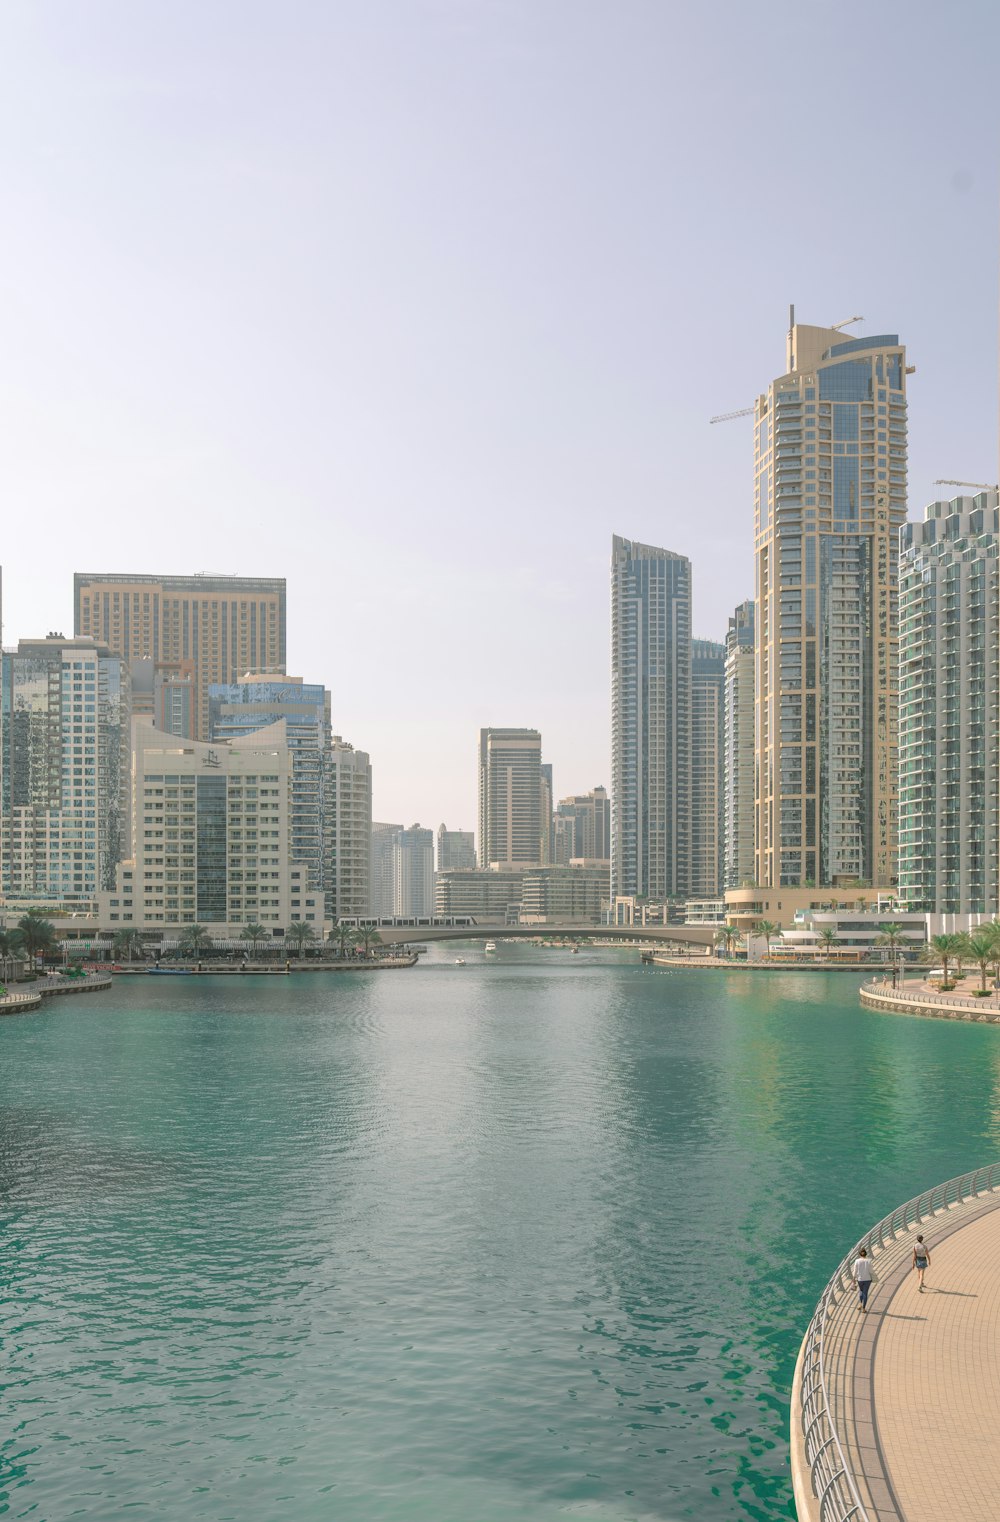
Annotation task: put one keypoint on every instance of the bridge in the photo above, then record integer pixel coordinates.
(671, 935)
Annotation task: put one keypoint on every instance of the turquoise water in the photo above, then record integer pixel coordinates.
(535, 1239)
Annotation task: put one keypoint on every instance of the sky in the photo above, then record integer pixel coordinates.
(417, 302)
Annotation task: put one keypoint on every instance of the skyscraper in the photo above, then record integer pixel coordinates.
(456, 850)
(204, 628)
(583, 823)
(413, 872)
(650, 721)
(708, 669)
(830, 500)
(738, 749)
(382, 889)
(349, 794)
(510, 797)
(64, 763)
(949, 691)
(545, 814)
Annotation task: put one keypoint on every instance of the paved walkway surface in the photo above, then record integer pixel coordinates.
(915, 1383)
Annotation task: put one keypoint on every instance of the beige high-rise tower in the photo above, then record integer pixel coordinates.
(830, 460)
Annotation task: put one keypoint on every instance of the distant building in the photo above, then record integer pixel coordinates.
(350, 794)
(708, 668)
(510, 796)
(545, 815)
(382, 884)
(413, 872)
(949, 750)
(650, 721)
(583, 827)
(564, 895)
(64, 767)
(491, 897)
(738, 749)
(202, 629)
(456, 850)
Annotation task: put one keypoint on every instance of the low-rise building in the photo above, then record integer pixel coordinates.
(567, 895)
(490, 896)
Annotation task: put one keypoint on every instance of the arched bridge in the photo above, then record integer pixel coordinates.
(677, 935)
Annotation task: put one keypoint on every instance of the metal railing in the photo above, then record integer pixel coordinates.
(832, 1482)
(880, 990)
(17, 1001)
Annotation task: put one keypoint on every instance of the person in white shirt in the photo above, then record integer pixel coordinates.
(861, 1273)
(921, 1259)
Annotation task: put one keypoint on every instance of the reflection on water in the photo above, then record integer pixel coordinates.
(531, 1238)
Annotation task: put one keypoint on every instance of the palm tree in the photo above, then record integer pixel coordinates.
(725, 936)
(893, 938)
(345, 936)
(36, 934)
(300, 934)
(982, 949)
(10, 946)
(767, 928)
(195, 941)
(370, 937)
(126, 943)
(944, 949)
(828, 938)
(253, 932)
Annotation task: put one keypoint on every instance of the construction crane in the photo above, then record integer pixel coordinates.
(979, 485)
(835, 327)
(724, 417)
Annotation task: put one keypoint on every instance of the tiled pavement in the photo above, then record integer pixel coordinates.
(915, 1383)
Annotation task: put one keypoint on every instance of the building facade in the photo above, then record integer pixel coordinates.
(830, 501)
(349, 831)
(256, 702)
(949, 698)
(491, 897)
(708, 673)
(210, 833)
(583, 827)
(203, 629)
(413, 872)
(738, 749)
(650, 721)
(382, 886)
(64, 768)
(456, 850)
(564, 895)
(510, 797)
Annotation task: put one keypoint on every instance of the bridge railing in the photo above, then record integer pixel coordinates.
(833, 1484)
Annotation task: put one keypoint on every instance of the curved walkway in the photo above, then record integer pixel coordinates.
(912, 1387)
(921, 998)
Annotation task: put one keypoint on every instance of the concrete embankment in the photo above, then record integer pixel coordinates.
(259, 970)
(930, 1003)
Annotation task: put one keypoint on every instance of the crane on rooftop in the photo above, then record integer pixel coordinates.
(978, 485)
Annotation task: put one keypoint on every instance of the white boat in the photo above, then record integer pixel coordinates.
(491, 945)
(459, 961)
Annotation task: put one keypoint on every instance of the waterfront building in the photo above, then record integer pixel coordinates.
(382, 885)
(708, 671)
(258, 701)
(510, 797)
(738, 749)
(456, 850)
(568, 895)
(830, 501)
(650, 721)
(210, 834)
(491, 896)
(64, 767)
(949, 695)
(202, 629)
(349, 796)
(582, 827)
(413, 872)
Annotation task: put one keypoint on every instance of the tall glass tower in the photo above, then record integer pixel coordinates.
(830, 458)
(650, 721)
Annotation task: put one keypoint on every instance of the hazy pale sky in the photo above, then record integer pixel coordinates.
(417, 303)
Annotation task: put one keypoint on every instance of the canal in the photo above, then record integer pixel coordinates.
(535, 1237)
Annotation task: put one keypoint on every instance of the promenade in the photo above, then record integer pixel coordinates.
(905, 1399)
(921, 997)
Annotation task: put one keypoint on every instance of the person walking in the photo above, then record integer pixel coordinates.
(861, 1273)
(921, 1259)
